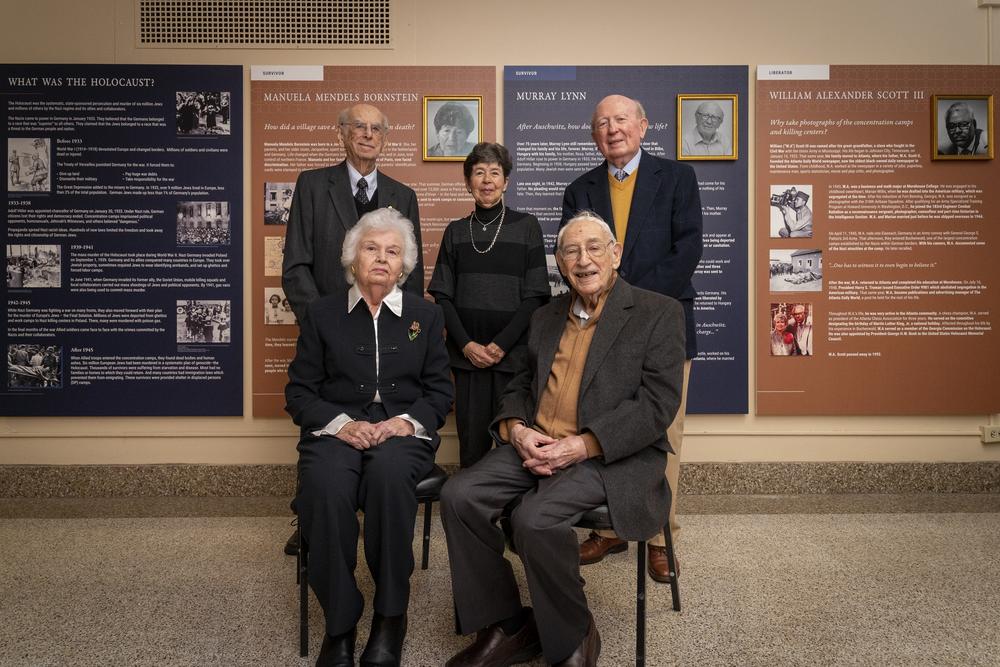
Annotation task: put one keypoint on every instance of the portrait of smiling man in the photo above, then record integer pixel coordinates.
(708, 135)
(965, 135)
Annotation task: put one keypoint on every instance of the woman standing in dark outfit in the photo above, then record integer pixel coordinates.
(490, 276)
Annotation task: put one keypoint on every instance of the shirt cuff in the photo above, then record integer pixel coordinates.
(333, 428)
(591, 443)
(418, 429)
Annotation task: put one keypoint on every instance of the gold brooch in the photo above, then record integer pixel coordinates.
(414, 330)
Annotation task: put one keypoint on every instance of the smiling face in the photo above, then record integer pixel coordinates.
(961, 126)
(708, 116)
(617, 128)
(487, 183)
(780, 323)
(799, 314)
(363, 136)
(451, 139)
(589, 276)
(379, 260)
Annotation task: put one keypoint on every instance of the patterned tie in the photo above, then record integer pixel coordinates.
(362, 195)
(621, 175)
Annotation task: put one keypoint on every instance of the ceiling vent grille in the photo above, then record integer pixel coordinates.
(264, 23)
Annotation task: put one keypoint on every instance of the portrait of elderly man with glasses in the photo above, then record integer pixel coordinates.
(708, 136)
(965, 137)
(583, 424)
(329, 201)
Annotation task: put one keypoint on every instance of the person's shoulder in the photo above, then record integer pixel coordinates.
(652, 301)
(588, 176)
(672, 167)
(418, 304)
(334, 303)
(320, 175)
(387, 180)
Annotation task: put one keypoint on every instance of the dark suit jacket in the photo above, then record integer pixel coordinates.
(663, 237)
(334, 367)
(322, 211)
(629, 394)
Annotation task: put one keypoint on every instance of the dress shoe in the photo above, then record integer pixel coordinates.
(493, 648)
(292, 545)
(596, 547)
(658, 566)
(337, 651)
(385, 643)
(587, 652)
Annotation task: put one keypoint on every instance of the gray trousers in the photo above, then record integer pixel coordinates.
(482, 580)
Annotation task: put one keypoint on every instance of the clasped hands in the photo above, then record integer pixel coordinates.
(364, 435)
(483, 356)
(544, 455)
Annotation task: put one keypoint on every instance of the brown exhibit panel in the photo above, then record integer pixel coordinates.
(877, 208)
(294, 127)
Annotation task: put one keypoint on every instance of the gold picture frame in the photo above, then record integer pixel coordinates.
(446, 131)
(724, 144)
(980, 146)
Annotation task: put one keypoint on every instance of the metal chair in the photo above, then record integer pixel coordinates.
(428, 492)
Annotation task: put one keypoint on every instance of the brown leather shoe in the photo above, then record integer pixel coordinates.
(596, 547)
(587, 652)
(658, 566)
(493, 648)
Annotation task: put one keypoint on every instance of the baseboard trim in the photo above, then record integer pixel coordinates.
(176, 480)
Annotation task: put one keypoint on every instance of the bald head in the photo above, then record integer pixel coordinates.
(618, 126)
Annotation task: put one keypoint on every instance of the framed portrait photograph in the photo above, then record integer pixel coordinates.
(961, 127)
(451, 126)
(706, 127)
(791, 211)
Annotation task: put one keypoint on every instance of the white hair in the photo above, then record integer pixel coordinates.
(381, 219)
(580, 217)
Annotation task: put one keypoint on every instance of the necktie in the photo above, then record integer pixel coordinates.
(621, 175)
(362, 195)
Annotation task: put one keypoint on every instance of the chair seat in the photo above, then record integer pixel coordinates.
(598, 518)
(429, 488)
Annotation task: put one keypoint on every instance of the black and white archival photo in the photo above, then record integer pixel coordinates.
(796, 270)
(203, 321)
(203, 223)
(277, 202)
(29, 164)
(203, 113)
(34, 366)
(33, 265)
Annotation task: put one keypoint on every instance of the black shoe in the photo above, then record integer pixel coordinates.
(337, 651)
(385, 643)
(292, 545)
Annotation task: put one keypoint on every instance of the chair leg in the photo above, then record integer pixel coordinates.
(427, 534)
(303, 577)
(675, 589)
(640, 606)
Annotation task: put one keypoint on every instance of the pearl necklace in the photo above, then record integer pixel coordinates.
(503, 212)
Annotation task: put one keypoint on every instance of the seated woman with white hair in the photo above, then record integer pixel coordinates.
(369, 387)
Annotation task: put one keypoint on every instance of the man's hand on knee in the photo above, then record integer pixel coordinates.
(359, 434)
(558, 455)
(527, 441)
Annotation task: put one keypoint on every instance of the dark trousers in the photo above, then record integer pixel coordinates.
(477, 397)
(483, 582)
(335, 481)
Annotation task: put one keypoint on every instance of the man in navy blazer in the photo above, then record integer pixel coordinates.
(327, 203)
(655, 209)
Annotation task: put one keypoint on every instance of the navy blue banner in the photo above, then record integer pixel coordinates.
(547, 113)
(122, 238)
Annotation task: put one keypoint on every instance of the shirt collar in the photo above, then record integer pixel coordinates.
(356, 176)
(394, 299)
(696, 137)
(632, 165)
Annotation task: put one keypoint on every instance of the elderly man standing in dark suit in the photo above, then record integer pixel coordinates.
(584, 420)
(655, 209)
(328, 202)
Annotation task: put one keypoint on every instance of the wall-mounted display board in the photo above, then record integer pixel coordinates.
(547, 112)
(122, 237)
(878, 222)
(294, 127)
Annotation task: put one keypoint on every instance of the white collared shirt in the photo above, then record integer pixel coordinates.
(394, 302)
(356, 176)
(631, 166)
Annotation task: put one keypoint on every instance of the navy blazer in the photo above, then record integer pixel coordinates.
(663, 238)
(333, 371)
(322, 211)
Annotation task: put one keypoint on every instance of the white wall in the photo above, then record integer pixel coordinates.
(443, 32)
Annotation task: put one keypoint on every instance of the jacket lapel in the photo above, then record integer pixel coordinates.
(340, 194)
(599, 193)
(552, 330)
(646, 191)
(613, 318)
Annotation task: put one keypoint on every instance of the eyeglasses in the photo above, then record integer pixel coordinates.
(964, 125)
(595, 250)
(708, 116)
(364, 128)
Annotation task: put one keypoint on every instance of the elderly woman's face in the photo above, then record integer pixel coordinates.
(780, 322)
(487, 183)
(379, 260)
(451, 139)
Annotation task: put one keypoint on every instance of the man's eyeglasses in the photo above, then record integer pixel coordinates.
(708, 116)
(964, 125)
(364, 128)
(595, 250)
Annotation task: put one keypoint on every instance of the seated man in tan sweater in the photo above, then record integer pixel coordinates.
(584, 419)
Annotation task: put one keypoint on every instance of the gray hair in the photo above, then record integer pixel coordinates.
(380, 220)
(581, 216)
(639, 110)
(345, 117)
(960, 106)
